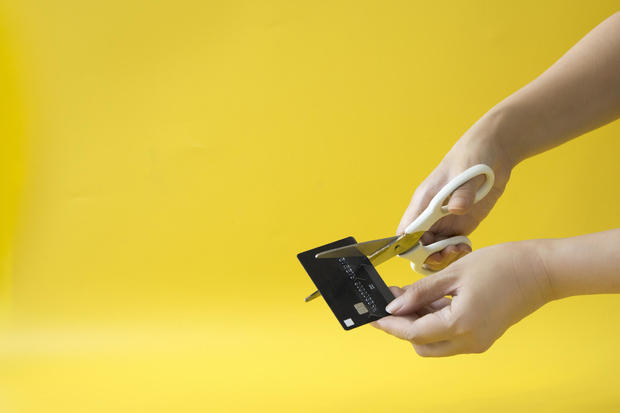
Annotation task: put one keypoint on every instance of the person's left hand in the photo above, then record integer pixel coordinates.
(491, 289)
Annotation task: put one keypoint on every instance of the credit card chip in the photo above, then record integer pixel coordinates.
(361, 308)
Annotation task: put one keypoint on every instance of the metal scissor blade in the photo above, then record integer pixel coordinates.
(402, 244)
(377, 251)
(356, 250)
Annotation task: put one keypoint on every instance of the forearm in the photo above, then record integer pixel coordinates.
(587, 264)
(578, 93)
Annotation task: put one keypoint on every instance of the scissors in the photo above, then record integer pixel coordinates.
(408, 245)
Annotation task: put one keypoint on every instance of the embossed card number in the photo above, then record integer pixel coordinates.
(351, 286)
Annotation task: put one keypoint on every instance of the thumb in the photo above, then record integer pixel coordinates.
(463, 197)
(421, 294)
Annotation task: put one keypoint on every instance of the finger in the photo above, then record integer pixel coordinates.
(447, 256)
(421, 293)
(439, 349)
(397, 326)
(441, 303)
(441, 259)
(454, 253)
(420, 200)
(434, 306)
(463, 197)
(432, 327)
(428, 238)
(397, 291)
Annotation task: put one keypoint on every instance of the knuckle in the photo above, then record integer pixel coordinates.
(420, 192)
(480, 347)
(415, 338)
(411, 336)
(422, 351)
(425, 191)
(415, 290)
(449, 322)
(419, 289)
(463, 325)
(461, 329)
(478, 344)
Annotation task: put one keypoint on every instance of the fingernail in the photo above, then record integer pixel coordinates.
(394, 305)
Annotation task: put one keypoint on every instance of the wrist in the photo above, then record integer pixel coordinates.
(587, 264)
(500, 131)
(487, 141)
(554, 262)
(533, 254)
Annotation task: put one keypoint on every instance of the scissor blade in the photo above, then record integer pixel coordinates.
(357, 250)
(401, 244)
(312, 296)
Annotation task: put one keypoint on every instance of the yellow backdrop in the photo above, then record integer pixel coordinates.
(164, 161)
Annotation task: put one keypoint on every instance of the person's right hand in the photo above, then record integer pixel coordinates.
(579, 93)
(476, 146)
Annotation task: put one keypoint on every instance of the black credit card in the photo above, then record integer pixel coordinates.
(351, 286)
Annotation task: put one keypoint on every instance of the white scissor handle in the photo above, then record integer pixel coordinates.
(436, 210)
(418, 254)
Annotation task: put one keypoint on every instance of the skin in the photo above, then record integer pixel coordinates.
(578, 93)
(495, 287)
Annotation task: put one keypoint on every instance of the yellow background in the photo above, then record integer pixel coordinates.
(163, 162)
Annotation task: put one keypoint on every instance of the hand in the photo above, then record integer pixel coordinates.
(478, 145)
(491, 288)
(579, 93)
